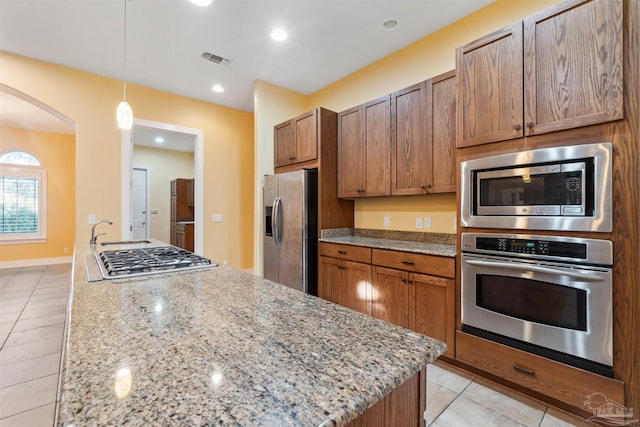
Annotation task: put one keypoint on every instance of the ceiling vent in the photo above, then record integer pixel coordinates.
(215, 58)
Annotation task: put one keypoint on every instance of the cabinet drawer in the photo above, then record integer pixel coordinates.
(427, 264)
(548, 377)
(353, 253)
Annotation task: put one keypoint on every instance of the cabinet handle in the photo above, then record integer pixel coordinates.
(530, 124)
(341, 267)
(404, 280)
(408, 262)
(342, 252)
(524, 371)
(409, 281)
(517, 126)
(423, 186)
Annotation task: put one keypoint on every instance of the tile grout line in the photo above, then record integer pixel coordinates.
(25, 304)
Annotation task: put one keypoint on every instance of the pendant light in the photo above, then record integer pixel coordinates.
(124, 114)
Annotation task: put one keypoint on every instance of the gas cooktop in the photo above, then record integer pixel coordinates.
(122, 263)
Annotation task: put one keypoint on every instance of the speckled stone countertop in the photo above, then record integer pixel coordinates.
(224, 347)
(420, 243)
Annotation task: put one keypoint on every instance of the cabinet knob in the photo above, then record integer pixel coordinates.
(517, 126)
(423, 186)
(530, 125)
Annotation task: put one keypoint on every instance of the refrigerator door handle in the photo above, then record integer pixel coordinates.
(274, 221)
(278, 216)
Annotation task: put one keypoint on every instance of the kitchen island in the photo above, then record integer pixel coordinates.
(224, 347)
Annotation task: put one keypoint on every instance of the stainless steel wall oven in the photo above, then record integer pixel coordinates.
(548, 295)
(560, 188)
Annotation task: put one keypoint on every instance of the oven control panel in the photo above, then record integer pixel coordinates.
(521, 246)
(589, 251)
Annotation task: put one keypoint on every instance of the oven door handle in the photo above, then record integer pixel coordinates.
(536, 268)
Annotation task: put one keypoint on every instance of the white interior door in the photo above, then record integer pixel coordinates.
(139, 224)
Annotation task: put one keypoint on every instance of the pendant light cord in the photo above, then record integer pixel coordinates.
(125, 50)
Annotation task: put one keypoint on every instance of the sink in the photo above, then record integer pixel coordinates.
(126, 242)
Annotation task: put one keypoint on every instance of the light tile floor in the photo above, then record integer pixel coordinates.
(456, 398)
(33, 302)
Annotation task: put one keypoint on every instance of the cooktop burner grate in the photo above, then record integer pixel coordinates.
(146, 260)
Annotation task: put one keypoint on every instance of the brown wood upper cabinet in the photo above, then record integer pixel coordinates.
(364, 150)
(558, 69)
(296, 140)
(423, 137)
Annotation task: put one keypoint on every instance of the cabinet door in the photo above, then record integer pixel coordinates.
(284, 144)
(358, 286)
(390, 296)
(409, 140)
(433, 309)
(306, 142)
(441, 129)
(331, 283)
(180, 236)
(573, 66)
(351, 154)
(377, 137)
(191, 193)
(183, 212)
(489, 72)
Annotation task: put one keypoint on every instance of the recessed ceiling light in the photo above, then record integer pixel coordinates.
(217, 88)
(159, 139)
(279, 35)
(389, 24)
(202, 3)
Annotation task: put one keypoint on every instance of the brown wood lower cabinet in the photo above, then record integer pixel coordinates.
(390, 296)
(184, 236)
(411, 290)
(346, 283)
(404, 407)
(566, 384)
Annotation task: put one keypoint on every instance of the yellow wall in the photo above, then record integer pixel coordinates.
(90, 101)
(272, 105)
(162, 167)
(419, 61)
(56, 153)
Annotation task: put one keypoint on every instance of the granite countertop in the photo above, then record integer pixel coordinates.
(441, 245)
(222, 346)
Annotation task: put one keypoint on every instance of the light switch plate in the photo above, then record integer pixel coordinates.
(217, 218)
(387, 221)
(419, 222)
(92, 219)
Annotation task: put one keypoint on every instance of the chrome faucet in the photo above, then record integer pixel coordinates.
(94, 237)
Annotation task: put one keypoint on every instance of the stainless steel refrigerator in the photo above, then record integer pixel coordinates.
(291, 231)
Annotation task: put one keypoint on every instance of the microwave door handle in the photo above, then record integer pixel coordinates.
(536, 268)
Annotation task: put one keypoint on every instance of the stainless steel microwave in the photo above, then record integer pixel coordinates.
(561, 188)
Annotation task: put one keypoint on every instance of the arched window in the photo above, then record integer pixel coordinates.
(23, 193)
(19, 158)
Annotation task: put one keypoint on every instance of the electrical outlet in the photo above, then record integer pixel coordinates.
(65, 250)
(92, 219)
(419, 222)
(217, 218)
(427, 222)
(387, 221)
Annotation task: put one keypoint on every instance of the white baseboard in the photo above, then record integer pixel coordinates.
(35, 261)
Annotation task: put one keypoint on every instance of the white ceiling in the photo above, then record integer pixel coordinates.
(169, 140)
(328, 39)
